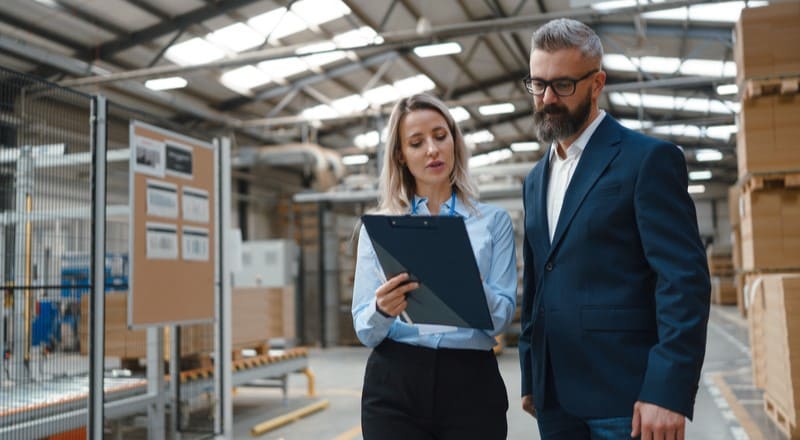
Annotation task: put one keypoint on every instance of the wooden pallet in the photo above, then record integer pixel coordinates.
(775, 180)
(780, 418)
(786, 85)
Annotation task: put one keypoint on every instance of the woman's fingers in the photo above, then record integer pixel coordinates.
(391, 296)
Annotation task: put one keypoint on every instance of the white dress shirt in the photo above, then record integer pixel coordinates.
(561, 171)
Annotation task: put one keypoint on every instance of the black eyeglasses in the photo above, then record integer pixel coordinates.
(562, 87)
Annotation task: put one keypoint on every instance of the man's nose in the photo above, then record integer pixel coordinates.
(549, 95)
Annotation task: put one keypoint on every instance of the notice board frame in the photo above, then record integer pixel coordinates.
(165, 290)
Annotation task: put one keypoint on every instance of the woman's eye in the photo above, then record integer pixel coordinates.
(415, 144)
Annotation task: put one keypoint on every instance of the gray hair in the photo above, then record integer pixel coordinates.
(565, 33)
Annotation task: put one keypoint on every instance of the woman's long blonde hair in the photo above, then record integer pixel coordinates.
(397, 185)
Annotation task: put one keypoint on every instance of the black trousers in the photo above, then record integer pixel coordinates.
(421, 393)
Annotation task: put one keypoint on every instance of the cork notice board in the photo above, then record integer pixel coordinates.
(173, 192)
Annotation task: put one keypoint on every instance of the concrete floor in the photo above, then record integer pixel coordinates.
(727, 408)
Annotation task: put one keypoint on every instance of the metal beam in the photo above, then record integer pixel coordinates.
(211, 10)
(410, 38)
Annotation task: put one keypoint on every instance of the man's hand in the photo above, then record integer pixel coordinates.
(653, 422)
(527, 404)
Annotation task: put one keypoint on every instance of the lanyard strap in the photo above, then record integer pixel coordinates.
(452, 205)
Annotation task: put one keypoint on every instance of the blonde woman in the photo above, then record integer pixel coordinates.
(426, 381)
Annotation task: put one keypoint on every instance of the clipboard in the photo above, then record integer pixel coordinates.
(436, 252)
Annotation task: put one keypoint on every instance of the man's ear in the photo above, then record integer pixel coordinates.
(598, 83)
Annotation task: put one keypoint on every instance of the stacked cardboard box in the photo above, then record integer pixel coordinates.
(720, 267)
(736, 246)
(776, 301)
(768, 153)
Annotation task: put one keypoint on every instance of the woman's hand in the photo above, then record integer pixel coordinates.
(391, 295)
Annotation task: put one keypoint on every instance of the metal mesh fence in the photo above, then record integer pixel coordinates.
(45, 238)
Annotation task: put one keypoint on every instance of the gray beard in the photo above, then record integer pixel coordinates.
(564, 125)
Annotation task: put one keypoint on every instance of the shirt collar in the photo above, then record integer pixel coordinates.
(577, 147)
(461, 209)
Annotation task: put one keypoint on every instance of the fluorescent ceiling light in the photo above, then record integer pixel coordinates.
(173, 82)
(525, 146)
(478, 137)
(237, 37)
(489, 158)
(496, 109)
(720, 12)
(363, 36)
(697, 189)
(194, 51)
(381, 95)
(727, 89)
(435, 50)
(413, 85)
(700, 175)
(244, 78)
(283, 67)
(368, 139)
(277, 23)
(707, 155)
(322, 111)
(327, 54)
(350, 104)
(355, 159)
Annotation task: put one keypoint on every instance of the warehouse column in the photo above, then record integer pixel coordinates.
(24, 186)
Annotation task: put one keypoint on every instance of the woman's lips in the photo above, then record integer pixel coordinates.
(436, 164)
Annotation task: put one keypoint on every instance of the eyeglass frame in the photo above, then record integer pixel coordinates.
(527, 81)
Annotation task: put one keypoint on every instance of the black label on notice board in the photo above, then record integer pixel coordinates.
(179, 160)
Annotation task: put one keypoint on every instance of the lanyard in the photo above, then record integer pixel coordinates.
(452, 205)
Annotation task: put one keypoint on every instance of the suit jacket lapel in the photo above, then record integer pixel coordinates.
(540, 181)
(599, 151)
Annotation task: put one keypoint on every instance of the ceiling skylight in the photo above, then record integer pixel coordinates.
(322, 111)
(244, 78)
(277, 23)
(283, 67)
(320, 11)
(489, 158)
(669, 65)
(459, 113)
(350, 104)
(237, 37)
(381, 95)
(280, 23)
(413, 85)
(674, 103)
(722, 12)
(194, 51)
(727, 89)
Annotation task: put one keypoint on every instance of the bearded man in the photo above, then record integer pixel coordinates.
(616, 286)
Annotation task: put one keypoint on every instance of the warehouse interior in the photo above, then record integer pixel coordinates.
(282, 106)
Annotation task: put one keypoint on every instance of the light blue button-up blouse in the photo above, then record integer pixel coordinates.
(492, 237)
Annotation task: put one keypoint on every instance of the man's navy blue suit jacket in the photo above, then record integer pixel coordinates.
(618, 303)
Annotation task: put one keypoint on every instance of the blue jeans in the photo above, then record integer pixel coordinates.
(556, 424)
